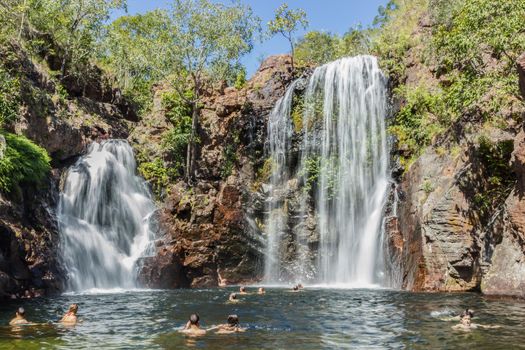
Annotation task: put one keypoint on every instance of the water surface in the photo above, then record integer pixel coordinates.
(310, 319)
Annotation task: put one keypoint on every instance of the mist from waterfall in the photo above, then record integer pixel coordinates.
(105, 218)
(343, 169)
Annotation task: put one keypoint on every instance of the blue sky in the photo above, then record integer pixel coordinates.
(335, 16)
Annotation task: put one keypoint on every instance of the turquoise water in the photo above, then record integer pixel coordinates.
(310, 319)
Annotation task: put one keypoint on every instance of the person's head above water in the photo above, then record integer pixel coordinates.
(73, 308)
(261, 290)
(21, 312)
(467, 313)
(233, 320)
(194, 319)
(233, 296)
(242, 289)
(295, 288)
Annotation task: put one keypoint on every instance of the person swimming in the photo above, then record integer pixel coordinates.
(300, 286)
(20, 318)
(295, 289)
(242, 290)
(231, 327)
(465, 322)
(261, 291)
(70, 318)
(193, 327)
(233, 298)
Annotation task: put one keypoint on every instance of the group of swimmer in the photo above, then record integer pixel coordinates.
(191, 328)
(232, 325)
(70, 317)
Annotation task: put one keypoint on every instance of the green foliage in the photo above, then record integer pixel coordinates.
(297, 113)
(230, 158)
(156, 173)
(312, 168)
(480, 27)
(135, 51)
(495, 158)
(9, 98)
(286, 22)
(384, 13)
(420, 119)
(240, 79)
(316, 48)
(23, 163)
(427, 187)
(177, 138)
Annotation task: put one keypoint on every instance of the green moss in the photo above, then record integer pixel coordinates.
(24, 163)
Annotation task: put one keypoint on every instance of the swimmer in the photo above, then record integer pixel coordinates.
(468, 312)
(466, 324)
(20, 318)
(300, 286)
(193, 327)
(233, 298)
(231, 327)
(261, 291)
(70, 318)
(295, 289)
(242, 290)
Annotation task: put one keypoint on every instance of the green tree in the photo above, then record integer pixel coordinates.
(136, 51)
(75, 26)
(208, 40)
(286, 22)
(317, 48)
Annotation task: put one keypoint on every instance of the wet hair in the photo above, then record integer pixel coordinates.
(21, 311)
(242, 289)
(233, 320)
(194, 319)
(467, 313)
(261, 289)
(295, 288)
(233, 296)
(73, 308)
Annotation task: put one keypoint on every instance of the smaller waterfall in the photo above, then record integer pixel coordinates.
(104, 216)
(280, 131)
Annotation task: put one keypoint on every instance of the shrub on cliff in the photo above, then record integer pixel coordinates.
(24, 163)
(9, 97)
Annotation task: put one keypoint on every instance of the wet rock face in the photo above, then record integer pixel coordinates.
(442, 240)
(210, 237)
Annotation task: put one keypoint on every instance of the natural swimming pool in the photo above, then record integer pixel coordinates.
(310, 319)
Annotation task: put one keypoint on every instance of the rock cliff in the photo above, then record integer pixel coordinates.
(210, 237)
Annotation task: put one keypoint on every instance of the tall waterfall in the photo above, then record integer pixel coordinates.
(342, 175)
(104, 218)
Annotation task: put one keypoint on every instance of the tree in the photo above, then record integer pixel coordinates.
(75, 26)
(317, 48)
(286, 22)
(208, 40)
(136, 50)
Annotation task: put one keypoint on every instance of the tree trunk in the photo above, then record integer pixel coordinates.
(190, 149)
(293, 54)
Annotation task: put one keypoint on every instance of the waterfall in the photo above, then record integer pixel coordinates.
(104, 215)
(343, 170)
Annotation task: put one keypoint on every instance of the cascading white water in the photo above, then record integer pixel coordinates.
(104, 218)
(344, 136)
